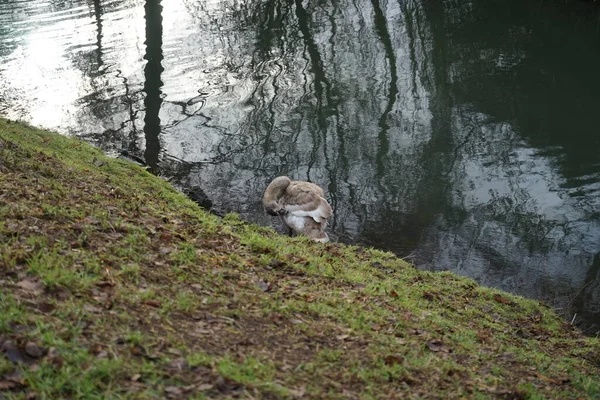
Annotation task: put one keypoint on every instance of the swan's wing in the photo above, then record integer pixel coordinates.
(306, 226)
(304, 199)
(296, 187)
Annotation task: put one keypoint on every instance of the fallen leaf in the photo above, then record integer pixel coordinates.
(501, 299)
(7, 385)
(349, 395)
(173, 391)
(555, 381)
(98, 163)
(31, 285)
(91, 220)
(45, 307)
(523, 334)
(151, 303)
(204, 387)
(511, 394)
(537, 317)
(417, 332)
(104, 284)
(297, 392)
(91, 309)
(408, 316)
(429, 296)
(138, 350)
(15, 377)
(484, 335)
(265, 287)
(393, 293)
(102, 354)
(393, 359)
(179, 364)
(78, 228)
(165, 250)
(342, 337)
(95, 348)
(54, 357)
(276, 263)
(435, 345)
(13, 354)
(34, 350)
(226, 385)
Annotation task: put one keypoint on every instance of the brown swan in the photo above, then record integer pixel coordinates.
(301, 206)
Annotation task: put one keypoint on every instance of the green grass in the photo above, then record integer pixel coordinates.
(132, 291)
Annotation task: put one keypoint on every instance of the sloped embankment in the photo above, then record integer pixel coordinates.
(113, 285)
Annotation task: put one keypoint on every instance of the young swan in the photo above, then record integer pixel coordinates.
(301, 206)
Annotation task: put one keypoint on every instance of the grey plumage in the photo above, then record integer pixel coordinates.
(301, 206)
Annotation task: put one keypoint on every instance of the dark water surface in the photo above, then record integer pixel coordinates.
(465, 135)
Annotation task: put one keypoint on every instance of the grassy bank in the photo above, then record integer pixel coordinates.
(113, 285)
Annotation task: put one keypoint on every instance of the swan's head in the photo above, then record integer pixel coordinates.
(273, 193)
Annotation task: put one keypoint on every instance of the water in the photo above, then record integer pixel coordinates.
(463, 135)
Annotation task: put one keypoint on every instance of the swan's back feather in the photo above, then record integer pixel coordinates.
(302, 206)
(305, 199)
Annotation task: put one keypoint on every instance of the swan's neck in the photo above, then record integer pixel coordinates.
(274, 192)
